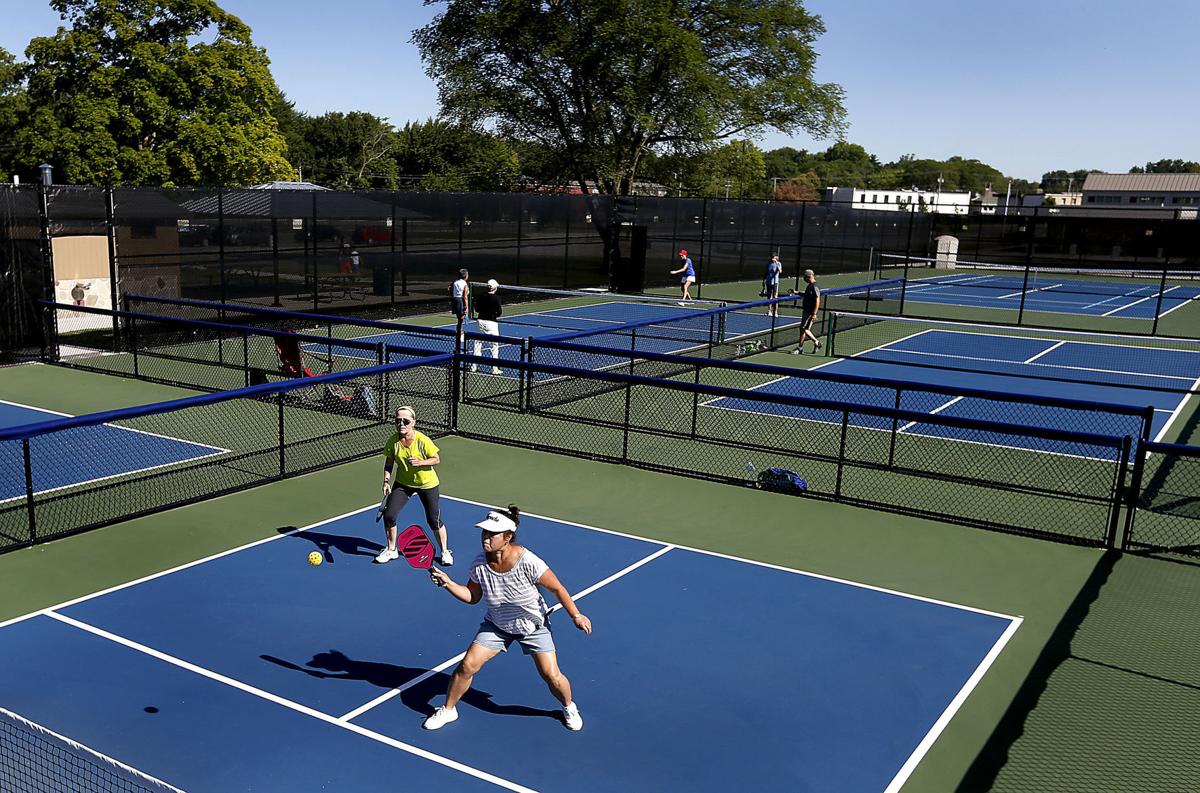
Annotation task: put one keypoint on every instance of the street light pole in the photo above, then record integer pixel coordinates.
(727, 186)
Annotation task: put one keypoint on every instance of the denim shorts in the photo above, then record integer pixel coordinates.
(492, 638)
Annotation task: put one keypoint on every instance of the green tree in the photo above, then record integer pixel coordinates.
(1063, 181)
(146, 92)
(346, 150)
(442, 156)
(13, 106)
(1168, 166)
(607, 82)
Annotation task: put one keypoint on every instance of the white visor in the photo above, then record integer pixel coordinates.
(496, 522)
(492, 285)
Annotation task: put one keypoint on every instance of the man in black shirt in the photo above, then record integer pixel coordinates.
(810, 304)
(487, 312)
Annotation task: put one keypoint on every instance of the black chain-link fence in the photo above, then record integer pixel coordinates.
(73, 474)
(1168, 501)
(392, 254)
(1042, 482)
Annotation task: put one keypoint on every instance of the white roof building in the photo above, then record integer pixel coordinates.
(911, 200)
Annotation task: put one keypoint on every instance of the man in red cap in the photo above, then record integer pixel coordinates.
(689, 276)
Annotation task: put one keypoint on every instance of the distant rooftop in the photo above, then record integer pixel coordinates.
(288, 186)
(1128, 182)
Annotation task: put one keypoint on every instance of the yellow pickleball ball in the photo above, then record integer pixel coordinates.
(314, 558)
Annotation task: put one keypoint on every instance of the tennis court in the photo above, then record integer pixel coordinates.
(253, 650)
(127, 451)
(992, 360)
(1052, 293)
(678, 333)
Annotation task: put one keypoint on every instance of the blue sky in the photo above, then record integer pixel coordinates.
(1024, 85)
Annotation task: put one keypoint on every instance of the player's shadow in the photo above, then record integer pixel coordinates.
(335, 665)
(328, 543)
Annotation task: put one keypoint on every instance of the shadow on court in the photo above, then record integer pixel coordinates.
(328, 543)
(335, 665)
(995, 753)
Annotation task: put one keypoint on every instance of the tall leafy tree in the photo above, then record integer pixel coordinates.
(151, 92)
(438, 155)
(607, 81)
(13, 104)
(1168, 166)
(346, 150)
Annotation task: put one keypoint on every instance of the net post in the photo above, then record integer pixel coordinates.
(830, 332)
(1111, 539)
(1024, 292)
(133, 337)
(1162, 286)
(895, 432)
(625, 424)
(1134, 492)
(381, 354)
(903, 284)
(110, 224)
(455, 369)
(246, 357)
(841, 460)
(695, 401)
(523, 376)
(282, 455)
(27, 459)
(632, 347)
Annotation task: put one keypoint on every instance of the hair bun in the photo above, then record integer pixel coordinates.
(514, 512)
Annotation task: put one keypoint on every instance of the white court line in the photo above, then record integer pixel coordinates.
(939, 725)
(943, 720)
(1051, 348)
(361, 709)
(287, 703)
(1029, 291)
(1178, 409)
(1134, 293)
(1050, 366)
(1182, 302)
(1134, 303)
(216, 452)
(935, 411)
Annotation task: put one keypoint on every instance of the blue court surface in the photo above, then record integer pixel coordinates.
(255, 671)
(61, 461)
(1132, 300)
(675, 335)
(1115, 374)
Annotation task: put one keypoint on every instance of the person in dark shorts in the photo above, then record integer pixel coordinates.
(809, 306)
(408, 460)
(460, 304)
(506, 577)
(487, 316)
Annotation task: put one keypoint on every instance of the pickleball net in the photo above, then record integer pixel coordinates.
(35, 759)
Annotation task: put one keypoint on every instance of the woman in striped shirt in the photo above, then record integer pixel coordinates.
(507, 577)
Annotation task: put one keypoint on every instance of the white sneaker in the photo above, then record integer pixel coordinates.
(570, 716)
(474, 368)
(387, 555)
(440, 718)
(447, 558)
(497, 370)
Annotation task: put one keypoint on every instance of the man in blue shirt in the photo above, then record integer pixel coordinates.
(810, 304)
(771, 284)
(689, 276)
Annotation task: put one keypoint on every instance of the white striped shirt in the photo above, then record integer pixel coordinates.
(515, 604)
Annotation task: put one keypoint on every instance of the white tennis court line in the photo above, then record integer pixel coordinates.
(1050, 366)
(935, 411)
(1051, 348)
(939, 725)
(1134, 303)
(287, 703)
(444, 665)
(216, 452)
(1029, 291)
(1134, 293)
(1162, 433)
(943, 720)
(1182, 302)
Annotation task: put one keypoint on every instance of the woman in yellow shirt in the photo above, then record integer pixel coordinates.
(411, 456)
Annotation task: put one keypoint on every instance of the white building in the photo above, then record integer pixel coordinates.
(912, 200)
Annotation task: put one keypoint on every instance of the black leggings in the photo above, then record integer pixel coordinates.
(399, 497)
